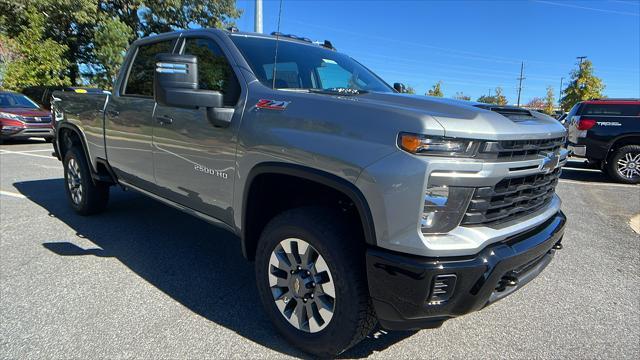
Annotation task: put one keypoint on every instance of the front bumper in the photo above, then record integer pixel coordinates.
(30, 131)
(401, 285)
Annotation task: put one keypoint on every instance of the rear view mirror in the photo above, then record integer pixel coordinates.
(399, 87)
(176, 83)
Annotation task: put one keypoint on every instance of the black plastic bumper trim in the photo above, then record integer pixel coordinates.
(400, 284)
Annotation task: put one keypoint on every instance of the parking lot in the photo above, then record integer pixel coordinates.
(144, 280)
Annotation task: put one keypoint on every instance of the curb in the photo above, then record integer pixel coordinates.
(635, 223)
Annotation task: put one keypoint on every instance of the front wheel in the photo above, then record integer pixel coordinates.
(625, 165)
(85, 196)
(310, 274)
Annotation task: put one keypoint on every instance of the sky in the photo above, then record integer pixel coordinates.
(472, 46)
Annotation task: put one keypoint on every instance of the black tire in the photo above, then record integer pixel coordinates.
(629, 174)
(353, 315)
(92, 197)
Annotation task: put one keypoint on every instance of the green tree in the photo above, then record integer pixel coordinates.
(160, 16)
(584, 85)
(110, 42)
(549, 102)
(461, 96)
(40, 60)
(409, 90)
(436, 90)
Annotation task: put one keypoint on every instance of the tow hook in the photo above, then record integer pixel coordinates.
(508, 280)
(557, 246)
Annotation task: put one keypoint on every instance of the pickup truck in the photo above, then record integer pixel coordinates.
(358, 205)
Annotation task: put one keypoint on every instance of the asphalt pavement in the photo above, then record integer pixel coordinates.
(143, 280)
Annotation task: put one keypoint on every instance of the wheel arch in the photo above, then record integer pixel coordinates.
(620, 141)
(250, 232)
(69, 135)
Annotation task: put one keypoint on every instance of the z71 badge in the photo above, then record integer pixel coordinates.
(272, 104)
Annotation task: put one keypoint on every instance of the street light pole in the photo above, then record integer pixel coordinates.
(258, 17)
(560, 92)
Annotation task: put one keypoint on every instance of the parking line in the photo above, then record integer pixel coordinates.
(598, 184)
(12, 194)
(26, 154)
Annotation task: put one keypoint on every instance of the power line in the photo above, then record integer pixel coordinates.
(520, 81)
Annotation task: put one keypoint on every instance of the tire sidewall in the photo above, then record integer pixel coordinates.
(345, 312)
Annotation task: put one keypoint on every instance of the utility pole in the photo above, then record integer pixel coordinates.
(520, 81)
(258, 17)
(580, 58)
(560, 92)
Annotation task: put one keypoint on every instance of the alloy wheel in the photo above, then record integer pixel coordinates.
(629, 165)
(74, 182)
(302, 285)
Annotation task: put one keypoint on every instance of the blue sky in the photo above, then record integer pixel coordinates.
(473, 46)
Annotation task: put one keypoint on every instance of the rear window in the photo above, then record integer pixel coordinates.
(611, 110)
(140, 81)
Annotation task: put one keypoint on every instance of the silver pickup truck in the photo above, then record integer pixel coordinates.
(359, 205)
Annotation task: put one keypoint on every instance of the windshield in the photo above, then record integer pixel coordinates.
(302, 66)
(9, 100)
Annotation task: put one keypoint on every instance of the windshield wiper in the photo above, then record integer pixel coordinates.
(339, 91)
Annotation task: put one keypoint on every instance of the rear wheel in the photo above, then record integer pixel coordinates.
(625, 165)
(85, 196)
(310, 274)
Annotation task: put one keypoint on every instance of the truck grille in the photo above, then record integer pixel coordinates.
(518, 150)
(511, 198)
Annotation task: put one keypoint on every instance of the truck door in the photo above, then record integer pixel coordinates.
(195, 160)
(128, 118)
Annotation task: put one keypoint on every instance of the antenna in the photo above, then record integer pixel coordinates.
(520, 79)
(275, 57)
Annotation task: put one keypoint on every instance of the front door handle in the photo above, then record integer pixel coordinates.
(164, 120)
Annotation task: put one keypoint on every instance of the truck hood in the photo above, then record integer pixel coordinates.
(468, 119)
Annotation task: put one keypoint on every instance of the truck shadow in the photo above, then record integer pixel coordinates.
(578, 170)
(193, 262)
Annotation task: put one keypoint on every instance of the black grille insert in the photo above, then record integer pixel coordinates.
(511, 198)
(518, 150)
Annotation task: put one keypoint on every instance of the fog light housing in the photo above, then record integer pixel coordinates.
(442, 289)
(444, 207)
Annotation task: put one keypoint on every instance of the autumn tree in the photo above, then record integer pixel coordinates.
(497, 99)
(436, 90)
(549, 102)
(535, 103)
(584, 85)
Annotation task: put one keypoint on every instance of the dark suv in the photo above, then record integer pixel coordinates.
(607, 133)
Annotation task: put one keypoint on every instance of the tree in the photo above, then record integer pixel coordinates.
(584, 85)
(497, 99)
(79, 25)
(40, 61)
(160, 16)
(435, 90)
(500, 98)
(535, 103)
(549, 102)
(461, 96)
(111, 39)
(8, 54)
(409, 90)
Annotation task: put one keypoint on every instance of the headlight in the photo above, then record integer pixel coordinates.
(437, 146)
(444, 207)
(11, 116)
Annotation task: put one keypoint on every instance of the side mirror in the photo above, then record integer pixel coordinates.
(176, 83)
(399, 87)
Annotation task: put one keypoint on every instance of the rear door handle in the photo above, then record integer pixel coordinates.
(164, 120)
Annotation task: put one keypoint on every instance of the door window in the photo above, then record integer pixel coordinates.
(214, 71)
(140, 81)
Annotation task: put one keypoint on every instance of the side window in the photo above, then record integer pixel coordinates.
(214, 71)
(140, 81)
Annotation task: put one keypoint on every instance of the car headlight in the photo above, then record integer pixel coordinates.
(435, 145)
(444, 207)
(9, 116)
